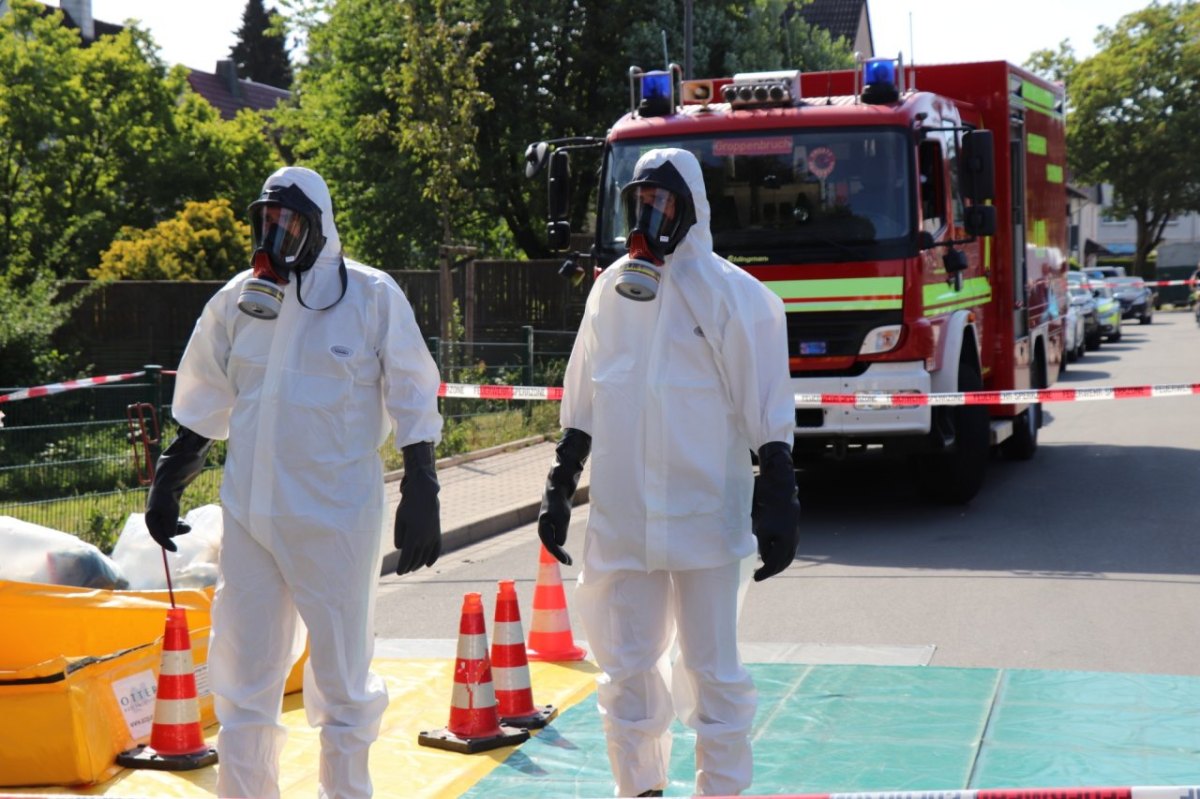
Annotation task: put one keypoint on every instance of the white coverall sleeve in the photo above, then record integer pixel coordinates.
(754, 356)
(204, 395)
(410, 376)
(576, 410)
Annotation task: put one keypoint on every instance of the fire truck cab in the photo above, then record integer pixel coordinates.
(912, 219)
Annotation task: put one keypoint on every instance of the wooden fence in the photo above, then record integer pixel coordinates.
(124, 325)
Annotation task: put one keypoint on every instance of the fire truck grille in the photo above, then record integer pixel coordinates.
(833, 333)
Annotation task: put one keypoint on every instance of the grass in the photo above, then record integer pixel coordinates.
(98, 518)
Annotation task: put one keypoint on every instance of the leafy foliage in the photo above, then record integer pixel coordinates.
(261, 51)
(204, 241)
(33, 310)
(1135, 110)
(543, 68)
(436, 90)
(93, 139)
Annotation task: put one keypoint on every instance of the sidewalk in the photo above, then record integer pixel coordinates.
(483, 493)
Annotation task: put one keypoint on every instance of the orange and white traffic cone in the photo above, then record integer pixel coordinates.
(510, 667)
(474, 720)
(550, 635)
(176, 740)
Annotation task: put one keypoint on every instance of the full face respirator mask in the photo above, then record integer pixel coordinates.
(285, 226)
(658, 214)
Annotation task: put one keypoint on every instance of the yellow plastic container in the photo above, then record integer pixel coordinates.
(78, 673)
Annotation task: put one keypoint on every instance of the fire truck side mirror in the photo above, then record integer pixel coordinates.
(535, 158)
(980, 220)
(977, 166)
(558, 230)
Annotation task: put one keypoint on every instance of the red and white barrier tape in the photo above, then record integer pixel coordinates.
(467, 391)
(1135, 792)
(882, 400)
(68, 385)
(864, 399)
(1170, 282)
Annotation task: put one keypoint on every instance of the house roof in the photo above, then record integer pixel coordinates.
(229, 94)
(100, 27)
(839, 17)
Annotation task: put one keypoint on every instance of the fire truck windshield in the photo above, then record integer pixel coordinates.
(790, 196)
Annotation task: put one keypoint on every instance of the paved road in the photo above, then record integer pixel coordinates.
(1083, 558)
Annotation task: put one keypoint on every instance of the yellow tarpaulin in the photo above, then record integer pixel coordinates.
(78, 674)
(419, 699)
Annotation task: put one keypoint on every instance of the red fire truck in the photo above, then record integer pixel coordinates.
(912, 219)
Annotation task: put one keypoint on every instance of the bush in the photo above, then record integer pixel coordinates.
(204, 241)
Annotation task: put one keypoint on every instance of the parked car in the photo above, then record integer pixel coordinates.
(1136, 298)
(1076, 342)
(1104, 272)
(1108, 311)
(1084, 304)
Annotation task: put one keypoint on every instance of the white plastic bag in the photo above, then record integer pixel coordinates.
(193, 566)
(36, 554)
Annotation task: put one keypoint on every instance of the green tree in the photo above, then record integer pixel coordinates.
(261, 51)
(1135, 110)
(33, 311)
(93, 139)
(204, 241)
(1056, 65)
(560, 69)
(551, 69)
(436, 91)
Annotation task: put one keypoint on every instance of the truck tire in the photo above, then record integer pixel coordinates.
(1023, 443)
(955, 475)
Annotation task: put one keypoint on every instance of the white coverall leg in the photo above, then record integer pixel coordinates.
(255, 611)
(630, 618)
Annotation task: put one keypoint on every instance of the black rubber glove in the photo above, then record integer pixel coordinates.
(418, 518)
(776, 512)
(555, 516)
(178, 466)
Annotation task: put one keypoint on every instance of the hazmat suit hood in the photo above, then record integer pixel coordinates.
(321, 285)
(698, 239)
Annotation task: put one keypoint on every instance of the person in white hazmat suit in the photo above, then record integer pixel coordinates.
(299, 363)
(671, 394)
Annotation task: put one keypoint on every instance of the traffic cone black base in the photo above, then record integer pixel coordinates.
(533, 721)
(145, 757)
(444, 739)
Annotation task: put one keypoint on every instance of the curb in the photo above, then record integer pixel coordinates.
(481, 529)
(478, 530)
(479, 454)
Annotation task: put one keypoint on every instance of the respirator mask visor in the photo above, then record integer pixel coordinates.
(281, 234)
(652, 215)
(285, 228)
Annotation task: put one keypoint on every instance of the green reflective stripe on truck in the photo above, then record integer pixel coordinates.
(1036, 94)
(1035, 98)
(941, 297)
(1054, 173)
(840, 294)
(1036, 144)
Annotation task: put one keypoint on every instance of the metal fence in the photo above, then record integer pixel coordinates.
(79, 461)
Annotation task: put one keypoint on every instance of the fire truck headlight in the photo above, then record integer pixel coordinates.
(881, 339)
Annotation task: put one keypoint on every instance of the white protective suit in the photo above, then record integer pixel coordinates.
(304, 401)
(675, 393)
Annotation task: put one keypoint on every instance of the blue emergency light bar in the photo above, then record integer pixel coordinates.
(879, 71)
(652, 94)
(656, 86)
(879, 77)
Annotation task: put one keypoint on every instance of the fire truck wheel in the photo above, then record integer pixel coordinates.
(955, 475)
(1024, 441)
